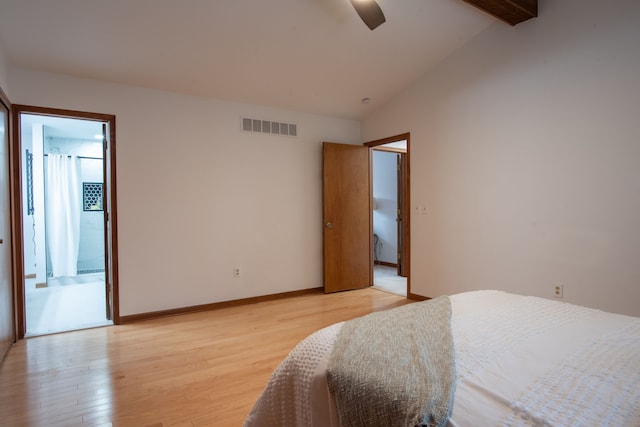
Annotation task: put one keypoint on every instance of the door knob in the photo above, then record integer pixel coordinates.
(329, 225)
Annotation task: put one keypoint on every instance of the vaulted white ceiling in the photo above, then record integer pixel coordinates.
(306, 55)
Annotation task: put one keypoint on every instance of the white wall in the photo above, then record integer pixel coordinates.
(4, 70)
(33, 225)
(526, 149)
(198, 197)
(91, 247)
(385, 193)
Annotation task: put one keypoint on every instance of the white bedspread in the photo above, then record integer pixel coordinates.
(520, 361)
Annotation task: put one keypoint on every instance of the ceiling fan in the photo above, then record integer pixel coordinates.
(510, 11)
(369, 12)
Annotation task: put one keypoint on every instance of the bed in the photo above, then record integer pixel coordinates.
(518, 360)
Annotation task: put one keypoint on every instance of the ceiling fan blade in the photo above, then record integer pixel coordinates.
(370, 12)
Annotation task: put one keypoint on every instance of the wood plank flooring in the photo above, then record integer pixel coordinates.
(200, 369)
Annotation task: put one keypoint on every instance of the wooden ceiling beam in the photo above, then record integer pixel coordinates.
(510, 11)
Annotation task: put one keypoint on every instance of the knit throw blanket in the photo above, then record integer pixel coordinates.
(395, 367)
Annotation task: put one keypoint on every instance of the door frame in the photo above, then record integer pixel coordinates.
(405, 247)
(13, 227)
(110, 212)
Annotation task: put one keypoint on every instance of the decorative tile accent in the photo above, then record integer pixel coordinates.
(92, 196)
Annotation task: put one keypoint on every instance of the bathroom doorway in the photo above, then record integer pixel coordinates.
(65, 223)
(390, 214)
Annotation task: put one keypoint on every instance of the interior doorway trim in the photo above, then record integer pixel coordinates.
(406, 204)
(8, 333)
(111, 231)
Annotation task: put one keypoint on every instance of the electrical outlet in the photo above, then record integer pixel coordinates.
(558, 291)
(236, 272)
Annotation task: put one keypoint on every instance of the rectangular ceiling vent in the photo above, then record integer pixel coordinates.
(267, 126)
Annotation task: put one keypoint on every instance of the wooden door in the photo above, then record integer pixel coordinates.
(6, 283)
(106, 206)
(110, 222)
(403, 216)
(347, 236)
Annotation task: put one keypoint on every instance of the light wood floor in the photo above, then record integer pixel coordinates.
(200, 369)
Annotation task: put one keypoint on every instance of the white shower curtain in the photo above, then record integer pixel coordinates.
(62, 214)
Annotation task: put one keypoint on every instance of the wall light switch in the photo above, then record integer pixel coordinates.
(424, 209)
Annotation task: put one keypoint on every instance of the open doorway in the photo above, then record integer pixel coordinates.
(390, 183)
(348, 232)
(67, 248)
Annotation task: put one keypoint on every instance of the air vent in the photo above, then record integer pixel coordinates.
(267, 126)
